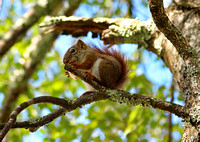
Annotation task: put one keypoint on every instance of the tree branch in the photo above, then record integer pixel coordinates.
(82, 75)
(68, 105)
(112, 31)
(14, 114)
(89, 97)
(33, 125)
(170, 31)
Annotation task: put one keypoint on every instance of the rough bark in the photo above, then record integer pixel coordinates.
(187, 18)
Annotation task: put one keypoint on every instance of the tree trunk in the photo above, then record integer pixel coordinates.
(186, 17)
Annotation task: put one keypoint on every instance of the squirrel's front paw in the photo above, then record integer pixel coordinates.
(73, 64)
(89, 75)
(67, 73)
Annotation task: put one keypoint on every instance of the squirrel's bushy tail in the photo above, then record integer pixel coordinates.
(121, 58)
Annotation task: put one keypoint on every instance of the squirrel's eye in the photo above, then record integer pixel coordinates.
(72, 51)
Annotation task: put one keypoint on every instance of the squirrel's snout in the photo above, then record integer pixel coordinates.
(65, 67)
(65, 60)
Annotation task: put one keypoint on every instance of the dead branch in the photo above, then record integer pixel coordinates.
(112, 31)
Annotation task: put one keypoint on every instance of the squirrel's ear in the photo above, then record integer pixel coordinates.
(81, 44)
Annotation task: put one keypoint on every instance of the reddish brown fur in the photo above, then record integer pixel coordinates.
(121, 58)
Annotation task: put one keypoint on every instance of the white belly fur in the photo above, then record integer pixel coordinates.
(95, 68)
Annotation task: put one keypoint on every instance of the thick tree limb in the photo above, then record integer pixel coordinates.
(112, 31)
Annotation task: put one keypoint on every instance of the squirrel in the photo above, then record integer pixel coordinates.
(107, 66)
